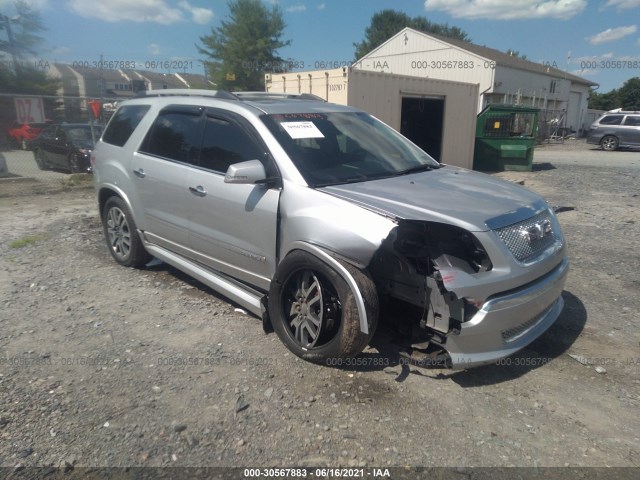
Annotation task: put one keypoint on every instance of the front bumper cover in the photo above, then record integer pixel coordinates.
(509, 321)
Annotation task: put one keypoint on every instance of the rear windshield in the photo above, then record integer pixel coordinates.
(345, 147)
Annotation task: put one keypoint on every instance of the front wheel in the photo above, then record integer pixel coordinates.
(122, 236)
(314, 312)
(609, 143)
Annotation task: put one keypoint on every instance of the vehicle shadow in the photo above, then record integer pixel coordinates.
(389, 352)
(551, 345)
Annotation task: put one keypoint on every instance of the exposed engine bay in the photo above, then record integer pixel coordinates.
(407, 267)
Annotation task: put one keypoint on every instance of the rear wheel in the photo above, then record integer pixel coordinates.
(609, 143)
(314, 312)
(122, 236)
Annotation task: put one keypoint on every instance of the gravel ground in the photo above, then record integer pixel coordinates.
(106, 366)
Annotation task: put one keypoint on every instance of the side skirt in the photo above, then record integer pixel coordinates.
(235, 291)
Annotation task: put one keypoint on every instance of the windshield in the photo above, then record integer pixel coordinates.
(345, 147)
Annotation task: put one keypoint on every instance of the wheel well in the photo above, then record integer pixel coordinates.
(104, 195)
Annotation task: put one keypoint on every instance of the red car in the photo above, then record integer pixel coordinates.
(20, 135)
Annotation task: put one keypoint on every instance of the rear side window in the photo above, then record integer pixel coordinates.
(123, 123)
(632, 120)
(611, 120)
(176, 134)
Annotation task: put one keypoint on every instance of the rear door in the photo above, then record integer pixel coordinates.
(56, 148)
(161, 170)
(630, 130)
(233, 227)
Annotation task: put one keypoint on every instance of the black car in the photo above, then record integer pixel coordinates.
(66, 146)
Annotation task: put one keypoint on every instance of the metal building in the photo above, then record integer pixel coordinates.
(503, 78)
(437, 115)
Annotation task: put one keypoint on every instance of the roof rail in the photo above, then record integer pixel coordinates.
(270, 95)
(191, 92)
(620, 110)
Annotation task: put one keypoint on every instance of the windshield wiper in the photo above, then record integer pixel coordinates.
(419, 168)
(378, 176)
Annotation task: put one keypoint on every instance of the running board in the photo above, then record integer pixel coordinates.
(227, 287)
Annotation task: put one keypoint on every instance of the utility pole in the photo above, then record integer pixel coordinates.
(101, 79)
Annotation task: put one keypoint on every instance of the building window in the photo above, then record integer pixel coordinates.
(552, 87)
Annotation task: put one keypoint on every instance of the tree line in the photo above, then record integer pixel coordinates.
(626, 97)
(241, 49)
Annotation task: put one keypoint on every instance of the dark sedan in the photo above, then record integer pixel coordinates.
(66, 146)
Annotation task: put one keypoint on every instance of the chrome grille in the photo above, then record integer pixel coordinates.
(524, 239)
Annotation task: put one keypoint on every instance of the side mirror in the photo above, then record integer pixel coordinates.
(246, 173)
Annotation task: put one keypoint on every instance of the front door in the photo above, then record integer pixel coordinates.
(232, 227)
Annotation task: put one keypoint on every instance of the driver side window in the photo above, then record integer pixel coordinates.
(226, 143)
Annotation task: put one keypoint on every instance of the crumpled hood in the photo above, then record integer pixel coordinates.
(448, 195)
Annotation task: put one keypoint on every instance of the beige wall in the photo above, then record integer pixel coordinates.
(330, 85)
(381, 96)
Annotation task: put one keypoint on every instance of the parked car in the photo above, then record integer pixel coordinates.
(67, 146)
(616, 129)
(21, 135)
(310, 214)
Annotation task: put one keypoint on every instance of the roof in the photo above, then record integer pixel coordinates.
(284, 106)
(503, 59)
(263, 101)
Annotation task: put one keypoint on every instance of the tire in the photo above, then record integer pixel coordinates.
(609, 143)
(40, 160)
(73, 163)
(122, 236)
(314, 312)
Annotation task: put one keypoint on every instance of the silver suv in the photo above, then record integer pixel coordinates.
(310, 215)
(615, 129)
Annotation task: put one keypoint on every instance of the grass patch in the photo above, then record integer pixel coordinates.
(77, 179)
(28, 240)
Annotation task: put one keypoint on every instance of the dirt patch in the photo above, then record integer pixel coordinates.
(107, 366)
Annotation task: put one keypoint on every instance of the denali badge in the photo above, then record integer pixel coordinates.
(537, 231)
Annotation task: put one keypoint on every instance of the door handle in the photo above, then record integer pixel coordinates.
(199, 191)
(140, 173)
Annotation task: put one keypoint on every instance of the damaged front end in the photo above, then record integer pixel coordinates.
(421, 263)
(408, 267)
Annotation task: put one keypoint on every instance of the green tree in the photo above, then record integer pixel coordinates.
(21, 32)
(20, 29)
(604, 101)
(244, 47)
(386, 23)
(629, 94)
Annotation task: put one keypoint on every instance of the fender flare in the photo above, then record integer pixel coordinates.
(327, 257)
(119, 192)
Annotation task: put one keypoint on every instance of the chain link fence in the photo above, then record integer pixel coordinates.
(38, 155)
